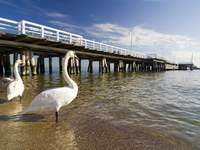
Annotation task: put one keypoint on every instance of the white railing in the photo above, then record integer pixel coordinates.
(8, 26)
(39, 31)
(51, 34)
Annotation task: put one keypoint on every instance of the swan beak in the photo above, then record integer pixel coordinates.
(76, 57)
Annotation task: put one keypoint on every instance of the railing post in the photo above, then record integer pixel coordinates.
(81, 41)
(57, 36)
(100, 47)
(70, 38)
(23, 31)
(93, 44)
(42, 30)
(85, 43)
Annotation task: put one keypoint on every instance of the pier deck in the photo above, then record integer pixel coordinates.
(24, 37)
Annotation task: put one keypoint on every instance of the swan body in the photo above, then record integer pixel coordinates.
(15, 86)
(54, 99)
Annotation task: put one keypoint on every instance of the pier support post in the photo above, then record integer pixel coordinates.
(133, 67)
(42, 65)
(121, 66)
(76, 66)
(50, 65)
(155, 66)
(6, 63)
(1, 64)
(108, 66)
(38, 65)
(164, 67)
(90, 66)
(72, 66)
(137, 67)
(100, 66)
(79, 65)
(143, 67)
(33, 63)
(124, 67)
(116, 66)
(104, 66)
(28, 62)
(60, 64)
(129, 67)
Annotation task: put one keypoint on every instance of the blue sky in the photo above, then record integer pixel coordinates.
(169, 28)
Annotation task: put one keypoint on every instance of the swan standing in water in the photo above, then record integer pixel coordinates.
(54, 99)
(15, 87)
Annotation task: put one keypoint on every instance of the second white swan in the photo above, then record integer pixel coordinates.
(15, 87)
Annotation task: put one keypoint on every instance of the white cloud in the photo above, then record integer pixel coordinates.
(8, 3)
(56, 15)
(171, 46)
(140, 36)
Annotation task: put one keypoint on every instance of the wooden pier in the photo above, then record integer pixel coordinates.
(26, 39)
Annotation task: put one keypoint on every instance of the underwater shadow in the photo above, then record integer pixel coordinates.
(2, 101)
(22, 118)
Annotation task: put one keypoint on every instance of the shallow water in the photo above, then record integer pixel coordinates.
(112, 111)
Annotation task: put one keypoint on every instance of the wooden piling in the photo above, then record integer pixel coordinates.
(108, 66)
(72, 66)
(50, 65)
(60, 64)
(1, 64)
(7, 66)
(100, 66)
(116, 66)
(79, 65)
(129, 67)
(42, 65)
(90, 66)
(133, 66)
(38, 65)
(76, 66)
(123, 67)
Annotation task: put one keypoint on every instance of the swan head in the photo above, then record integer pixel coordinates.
(72, 54)
(19, 61)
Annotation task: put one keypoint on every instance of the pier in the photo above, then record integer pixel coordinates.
(25, 39)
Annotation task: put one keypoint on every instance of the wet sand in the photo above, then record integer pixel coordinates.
(77, 130)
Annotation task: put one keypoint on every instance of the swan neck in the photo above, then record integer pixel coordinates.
(71, 83)
(16, 71)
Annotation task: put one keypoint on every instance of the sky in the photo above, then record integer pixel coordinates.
(168, 28)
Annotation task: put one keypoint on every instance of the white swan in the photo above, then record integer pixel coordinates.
(54, 99)
(15, 87)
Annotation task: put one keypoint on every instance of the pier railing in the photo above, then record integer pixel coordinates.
(51, 34)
